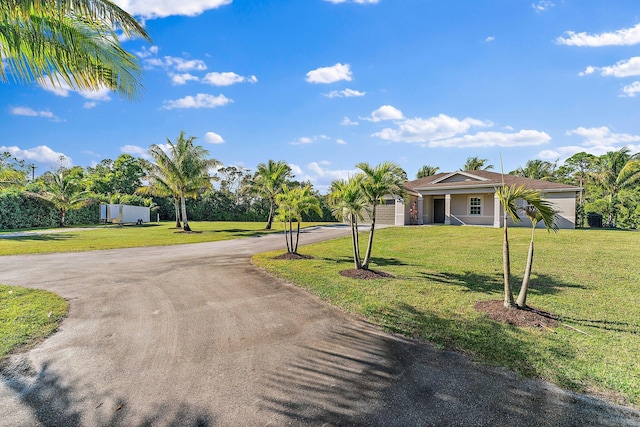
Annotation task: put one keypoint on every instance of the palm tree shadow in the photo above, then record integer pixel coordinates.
(541, 284)
(55, 401)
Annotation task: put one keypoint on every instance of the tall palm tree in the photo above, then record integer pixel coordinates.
(73, 42)
(617, 170)
(183, 170)
(426, 171)
(348, 203)
(292, 204)
(535, 216)
(267, 183)
(536, 169)
(158, 184)
(476, 164)
(386, 178)
(65, 191)
(509, 196)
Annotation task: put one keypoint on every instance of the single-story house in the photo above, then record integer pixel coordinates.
(468, 198)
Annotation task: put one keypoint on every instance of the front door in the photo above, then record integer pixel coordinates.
(438, 211)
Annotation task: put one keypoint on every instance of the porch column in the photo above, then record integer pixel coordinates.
(420, 210)
(447, 209)
(496, 211)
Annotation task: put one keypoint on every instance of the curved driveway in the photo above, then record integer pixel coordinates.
(195, 335)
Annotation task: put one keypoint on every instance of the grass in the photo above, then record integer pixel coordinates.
(587, 277)
(27, 316)
(114, 236)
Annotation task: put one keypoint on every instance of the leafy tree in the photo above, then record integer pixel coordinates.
(476, 164)
(267, 183)
(509, 196)
(383, 179)
(72, 42)
(348, 203)
(65, 190)
(426, 171)
(292, 204)
(183, 171)
(536, 169)
(122, 176)
(535, 216)
(616, 171)
(13, 172)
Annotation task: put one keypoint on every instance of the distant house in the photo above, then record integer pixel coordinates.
(468, 198)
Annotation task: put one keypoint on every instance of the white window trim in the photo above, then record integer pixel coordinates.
(475, 196)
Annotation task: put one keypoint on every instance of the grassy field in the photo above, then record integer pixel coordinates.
(27, 316)
(587, 277)
(113, 237)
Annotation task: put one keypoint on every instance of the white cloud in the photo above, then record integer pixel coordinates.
(201, 100)
(386, 112)
(150, 9)
(30, 112)
(431, 129)
(89, 105)
(320, 174)
(213, 138)
(145, 53)
(340, 141)
(309, 140)
(134, 150)
(602, 136)
(347, 93)
(331, 74)
(182, 79)
(175, 63)
(542, 5)
(595, 140)
(625, 68)
(489, 39)
(101, 94)
(632, 89)
(227, 79)
(41, 153)
(523, 138)
(623, 37)
(61, 88)
(347, 122)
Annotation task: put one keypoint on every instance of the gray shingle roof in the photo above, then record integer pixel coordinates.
(486, 179)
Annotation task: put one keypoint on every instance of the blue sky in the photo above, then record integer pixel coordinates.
(325, 84)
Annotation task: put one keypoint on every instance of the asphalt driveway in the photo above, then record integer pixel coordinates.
(194, 335)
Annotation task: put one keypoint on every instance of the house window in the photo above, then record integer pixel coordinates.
(390, 202)
(475, 206)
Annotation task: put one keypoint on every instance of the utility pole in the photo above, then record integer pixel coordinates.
(33, 171)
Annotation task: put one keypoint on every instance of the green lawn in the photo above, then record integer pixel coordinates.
(587, 277)
(27, 316)
(113, 236)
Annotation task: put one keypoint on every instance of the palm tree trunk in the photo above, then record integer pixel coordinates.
(176, 202)
(185, 221)
(521, 302)
(354, 239)
(297, 237)
(286, 237)
(63, 214)
(367, 257)
(270, 219)
(506, 262)
(291, 234)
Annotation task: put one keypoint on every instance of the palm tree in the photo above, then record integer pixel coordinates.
(348, 203)
(617, 170)
(536, 169)
(384, 179)
(476, 164)
(73, 42)
(183, 170)
(267, 183)
(426, 171)
(159, 185)
(535, 216)
(509, 196)
(65, 191)
(292, 204)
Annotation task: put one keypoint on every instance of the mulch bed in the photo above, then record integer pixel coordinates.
(364, 274)
(293, 256)
(528, 317)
